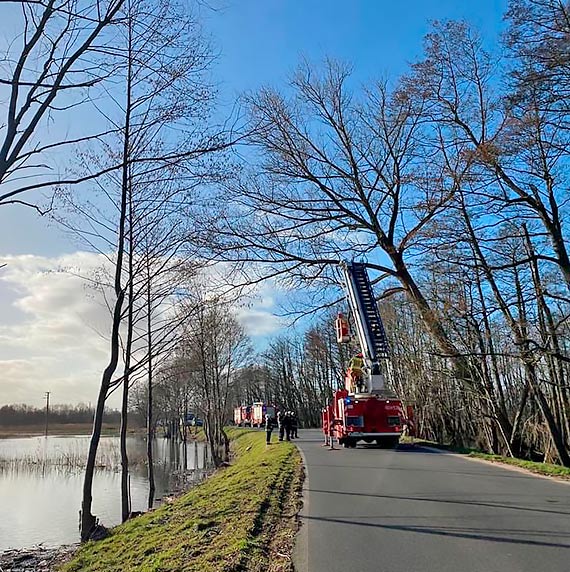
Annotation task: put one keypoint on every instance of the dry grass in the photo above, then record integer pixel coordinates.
(72, 457)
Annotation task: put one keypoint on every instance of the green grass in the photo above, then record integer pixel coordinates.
(532, 466)
(539, 468)
(243, 518)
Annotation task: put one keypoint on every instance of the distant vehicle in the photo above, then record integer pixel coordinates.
(193, 421)
(242, 416)
(253, 415)
(260, 411)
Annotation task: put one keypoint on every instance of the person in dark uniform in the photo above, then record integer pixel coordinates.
(294, 426)
(268, 428)
(287, 425)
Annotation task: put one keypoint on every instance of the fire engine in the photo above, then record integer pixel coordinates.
(242, 416)
(253, 415)
(259, 412)
(365, 409)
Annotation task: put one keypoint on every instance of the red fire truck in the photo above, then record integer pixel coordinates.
(253, 415)
(242, 416)
(365, 409)
(259, 412)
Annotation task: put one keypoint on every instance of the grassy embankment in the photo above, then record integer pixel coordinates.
(546, 469)
(243, 518)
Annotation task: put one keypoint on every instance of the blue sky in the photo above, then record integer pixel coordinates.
(260, 42)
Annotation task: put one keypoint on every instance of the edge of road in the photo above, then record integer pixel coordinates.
(301, 549)
(551, 478)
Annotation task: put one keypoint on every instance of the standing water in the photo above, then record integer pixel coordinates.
(41, 482)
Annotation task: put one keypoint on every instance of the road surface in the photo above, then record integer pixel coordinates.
(416, 510)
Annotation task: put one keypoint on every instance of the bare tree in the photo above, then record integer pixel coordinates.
(216, 348)
(49, 70)
(161, 60)
(428, 182)
(507, 153)
(342, 176)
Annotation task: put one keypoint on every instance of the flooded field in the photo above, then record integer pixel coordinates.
(41, 483)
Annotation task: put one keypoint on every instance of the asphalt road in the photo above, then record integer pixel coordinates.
(414, 510)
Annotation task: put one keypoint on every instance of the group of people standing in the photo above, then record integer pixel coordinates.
(286, 422)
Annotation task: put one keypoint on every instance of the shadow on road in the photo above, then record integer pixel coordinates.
(401, 448)
(494, 474)
(447, 501)
(457, 532)
(412, 448)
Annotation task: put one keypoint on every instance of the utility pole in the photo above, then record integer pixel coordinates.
(47, 411)
(185, 430)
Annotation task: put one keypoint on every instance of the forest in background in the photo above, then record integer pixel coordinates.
(26, 415)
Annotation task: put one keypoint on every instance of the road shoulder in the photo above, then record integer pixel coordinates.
(497, 463)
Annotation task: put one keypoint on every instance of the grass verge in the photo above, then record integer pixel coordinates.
(243, 518)
(546, 469)
(539, 468)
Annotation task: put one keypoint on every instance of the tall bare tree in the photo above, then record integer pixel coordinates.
(428, 182)
(48, 71)
(163, 138)
(215, 348)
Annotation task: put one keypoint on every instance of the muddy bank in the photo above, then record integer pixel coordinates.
(35, 559)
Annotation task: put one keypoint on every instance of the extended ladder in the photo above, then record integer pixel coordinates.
(370, 330)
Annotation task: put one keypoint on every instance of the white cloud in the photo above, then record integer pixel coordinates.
(257, 302)
(56, 342)
(258, 317)
(258, 322)
(55, 335)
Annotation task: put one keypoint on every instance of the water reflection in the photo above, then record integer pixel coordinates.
(41, 483)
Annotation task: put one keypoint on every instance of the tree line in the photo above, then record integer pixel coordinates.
(25, 415)
(451, 182)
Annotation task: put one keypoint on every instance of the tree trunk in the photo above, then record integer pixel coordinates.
(125, 489)
(149, 416)
(88, 521)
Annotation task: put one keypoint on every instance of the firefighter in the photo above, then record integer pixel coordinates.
(280, 425)
(355, 372)
(294, 426)
(268, 428)
(287, 425)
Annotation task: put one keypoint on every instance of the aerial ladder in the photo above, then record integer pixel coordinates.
(369, 327)
(365, 409)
